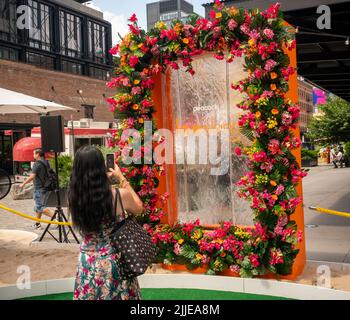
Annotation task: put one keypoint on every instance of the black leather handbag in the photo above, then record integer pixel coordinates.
(133, 243)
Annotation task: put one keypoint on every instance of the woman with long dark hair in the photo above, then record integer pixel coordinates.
(91, 205)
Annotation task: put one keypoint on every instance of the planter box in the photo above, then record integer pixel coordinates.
(182, 267)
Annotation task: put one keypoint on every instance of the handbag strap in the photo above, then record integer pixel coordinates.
(117, 195)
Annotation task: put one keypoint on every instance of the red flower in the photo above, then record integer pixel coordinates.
(115, 50)
(133, 18)
(238, 151)
(133, 61)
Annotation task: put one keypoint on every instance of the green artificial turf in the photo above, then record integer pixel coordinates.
(177, 294)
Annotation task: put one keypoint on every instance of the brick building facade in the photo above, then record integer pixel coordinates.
(63, 57)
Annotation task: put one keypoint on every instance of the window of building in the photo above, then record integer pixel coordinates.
(40, 60)
(39, 32)
(80, 142)
(97, 42)
(71, 34)
(8, 17)
(169, 16)
(72, 67)
(88, 111)
(98, 73)
(8, 54)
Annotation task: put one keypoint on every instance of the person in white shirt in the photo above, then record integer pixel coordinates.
(340, 157)
(333, 158)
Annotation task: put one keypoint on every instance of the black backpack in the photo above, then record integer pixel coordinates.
(50, 182)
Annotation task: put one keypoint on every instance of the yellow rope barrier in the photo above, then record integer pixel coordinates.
(336, 213)
(33, 218)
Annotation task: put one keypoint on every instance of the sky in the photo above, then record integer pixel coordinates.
(118, 11)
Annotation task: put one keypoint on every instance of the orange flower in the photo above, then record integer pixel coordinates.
(218, 15)
(185, 40)
(141, 120)
(135, 106)
(273, 183)
(258, 114)
(273, 75)
(137, 81)
(275, 197)
(251, 42)
(273, 87)
(223, 254)
(274, 111)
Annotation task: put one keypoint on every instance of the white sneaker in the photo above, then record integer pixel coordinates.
(37, 226)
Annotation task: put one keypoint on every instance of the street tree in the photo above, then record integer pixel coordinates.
(333, 123)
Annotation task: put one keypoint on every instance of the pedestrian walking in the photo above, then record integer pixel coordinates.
(39, 176)
(340, 157)
(333, 158)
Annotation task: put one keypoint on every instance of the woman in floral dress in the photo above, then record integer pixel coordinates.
(91, 204)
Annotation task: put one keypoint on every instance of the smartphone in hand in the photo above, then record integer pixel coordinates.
(110, 161)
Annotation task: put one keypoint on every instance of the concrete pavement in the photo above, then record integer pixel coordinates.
(329, 239)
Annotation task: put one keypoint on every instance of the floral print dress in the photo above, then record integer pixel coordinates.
(97, 276)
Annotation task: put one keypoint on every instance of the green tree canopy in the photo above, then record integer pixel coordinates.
(333, 125)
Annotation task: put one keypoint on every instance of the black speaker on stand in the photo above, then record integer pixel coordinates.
(52, 140)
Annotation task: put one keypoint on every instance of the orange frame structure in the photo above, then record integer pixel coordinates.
(164, 119)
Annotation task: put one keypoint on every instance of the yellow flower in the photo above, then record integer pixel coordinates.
(274, 111)
(232, 11)
(180, 241)
(271, 123)
(160, 25)
(258, 114)
(251, 42)
(198, 256)
(185, 40)
(273, 75)
(218, 15)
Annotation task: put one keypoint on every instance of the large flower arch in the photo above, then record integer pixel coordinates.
(269, 118)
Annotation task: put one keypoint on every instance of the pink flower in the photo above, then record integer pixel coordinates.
(274, 146)
(270, 64)
(276, 257)
(205, 259)
(299, 236)
(136, 90)
(258, 73)
(272, 12)
(232, 24)
(177, 249)
(286, 118)
(254, 260)
(259, 156)
(268, 33)
(279, 190)
(133, 61)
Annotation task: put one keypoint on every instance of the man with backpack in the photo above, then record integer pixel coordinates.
(42, 177)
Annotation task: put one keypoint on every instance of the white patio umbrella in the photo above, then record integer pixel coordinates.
(14, 102)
